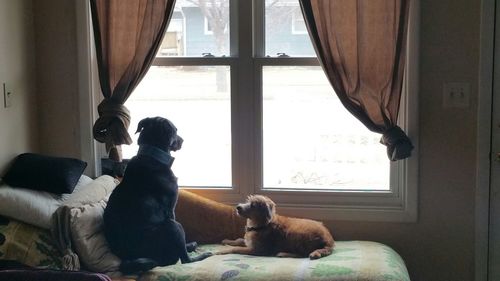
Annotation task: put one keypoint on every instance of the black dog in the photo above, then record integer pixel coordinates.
(139, 220)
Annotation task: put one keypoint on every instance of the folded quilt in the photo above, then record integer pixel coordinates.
(79, 234)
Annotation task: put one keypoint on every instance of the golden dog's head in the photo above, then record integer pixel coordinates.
(258, 208)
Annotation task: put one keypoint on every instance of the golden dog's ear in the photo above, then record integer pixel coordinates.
(271, 208)
(270, 211)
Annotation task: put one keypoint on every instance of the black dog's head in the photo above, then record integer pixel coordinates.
(159, 132)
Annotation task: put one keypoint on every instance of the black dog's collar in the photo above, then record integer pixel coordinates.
(255, 228)
(158, 154)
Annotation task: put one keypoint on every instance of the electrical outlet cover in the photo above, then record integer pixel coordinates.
(456, 95)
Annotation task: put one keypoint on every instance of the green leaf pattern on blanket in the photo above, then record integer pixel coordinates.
(329, 270)
(3, 225)
(2, 240)
(229, 274)
(28, 244)
(51, 256)
(396, 264)
(170, 276)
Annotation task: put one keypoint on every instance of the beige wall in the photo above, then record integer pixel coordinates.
(440, 246)
(57, 77)
(18, 130)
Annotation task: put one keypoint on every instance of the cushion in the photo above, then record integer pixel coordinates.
(86, 226)
(28, 244)
(57, 175)
(97, 190)
(350, 261)
(196, 214)
(36, 207)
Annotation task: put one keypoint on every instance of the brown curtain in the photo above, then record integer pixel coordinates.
(127, 37)
(361, 45)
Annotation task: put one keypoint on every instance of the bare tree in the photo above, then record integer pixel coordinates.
(217, 14)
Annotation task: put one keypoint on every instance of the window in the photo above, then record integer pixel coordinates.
(207, 27)
(256, 113)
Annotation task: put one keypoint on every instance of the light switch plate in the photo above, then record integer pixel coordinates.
(456, 95)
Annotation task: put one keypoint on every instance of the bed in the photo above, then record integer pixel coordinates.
(61, 236)
(351, 260)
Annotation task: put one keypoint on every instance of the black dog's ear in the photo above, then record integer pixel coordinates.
(143, 123)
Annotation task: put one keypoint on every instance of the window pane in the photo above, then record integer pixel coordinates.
(285, 29)
(197, 27)
(197, 100)
(311, 141)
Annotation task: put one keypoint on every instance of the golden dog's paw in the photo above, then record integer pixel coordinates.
(315, 255)
(221, 253)
(226, 242)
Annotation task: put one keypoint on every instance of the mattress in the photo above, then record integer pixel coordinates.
(351, 260)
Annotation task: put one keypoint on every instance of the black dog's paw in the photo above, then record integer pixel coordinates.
(208, 254)
(191, 246)
(137, 266)
(202, 256)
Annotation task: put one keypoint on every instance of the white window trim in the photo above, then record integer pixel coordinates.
(294, 24)
(88, 82)
(397, 205)
(206, 31)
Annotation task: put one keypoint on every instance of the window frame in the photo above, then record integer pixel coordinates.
(246, 61)
(206, 25)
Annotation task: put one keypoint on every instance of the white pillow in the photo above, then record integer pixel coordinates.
(82, 182)
(36, 207)
(99, 189)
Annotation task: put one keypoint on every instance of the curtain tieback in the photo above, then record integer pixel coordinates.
(112, 124)
(398, 144)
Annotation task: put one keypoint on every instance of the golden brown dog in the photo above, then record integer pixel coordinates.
(269, 234)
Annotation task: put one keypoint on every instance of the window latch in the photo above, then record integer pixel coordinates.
(207, 55)
(282, 55)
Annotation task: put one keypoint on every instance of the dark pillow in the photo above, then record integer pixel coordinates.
(39, 172)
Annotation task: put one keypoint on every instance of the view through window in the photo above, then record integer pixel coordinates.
(309, 140)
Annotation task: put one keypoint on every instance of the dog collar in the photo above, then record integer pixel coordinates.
(255, 228)
(156, 153)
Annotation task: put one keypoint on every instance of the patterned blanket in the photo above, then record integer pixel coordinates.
(351, 260)
(28, 244)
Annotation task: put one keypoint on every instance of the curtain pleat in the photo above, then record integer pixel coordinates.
(127, 37)
(361, 45)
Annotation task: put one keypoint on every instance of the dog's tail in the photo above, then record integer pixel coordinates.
(137, 266)
(319, 253)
